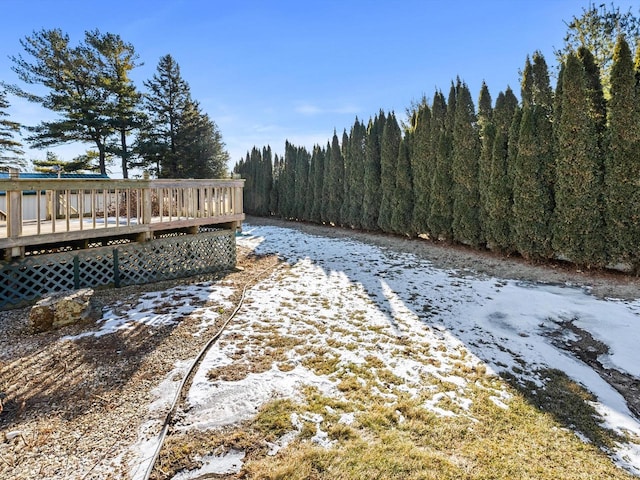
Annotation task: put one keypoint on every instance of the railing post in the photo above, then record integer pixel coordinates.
(146, 207)
(14, 214)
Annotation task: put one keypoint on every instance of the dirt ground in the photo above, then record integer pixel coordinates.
(72, 409)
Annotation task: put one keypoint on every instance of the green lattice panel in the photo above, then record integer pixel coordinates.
(176, 257)
(138, 263)
(33, 277)
(95, 268)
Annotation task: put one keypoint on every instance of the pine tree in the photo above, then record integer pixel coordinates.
(578, 188)
(533, 169)
(422, 165)
(10, 149)
(622, 192)
(403, 198)
(390, 145)
(500, 198)
(464, 169)
(166, 100)
(371, 199)
(441, 200)
(487, 130)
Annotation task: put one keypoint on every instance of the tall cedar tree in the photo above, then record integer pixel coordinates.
(487, 131)
(578, 188)
(310, 197)
(622, 192)
(371, 199)
(326, 186)
(441, 204)
(533, 169)
(335, 181)
(302, 159)
(287, 194)
(500, 197)
(10, 149)
(464, 169)
(346, 193)
(354, 162)
(266, 174)
(402, 206)
(318, 161)
(274, 199)
(422, 160)
(390, 145)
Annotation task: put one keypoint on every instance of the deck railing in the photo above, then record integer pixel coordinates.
(39, 211)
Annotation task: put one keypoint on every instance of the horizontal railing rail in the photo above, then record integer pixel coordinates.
(39, 211)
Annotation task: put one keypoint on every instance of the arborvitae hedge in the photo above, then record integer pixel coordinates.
(464, 170)
(578, 232)
(422, 165)
(389, 147)
(622, 166)
(440, 216)
(533, 166)
(549, 177)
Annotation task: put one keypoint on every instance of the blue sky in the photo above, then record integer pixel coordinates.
(266, 71)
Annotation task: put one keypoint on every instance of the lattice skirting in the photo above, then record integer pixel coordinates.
(129, 264)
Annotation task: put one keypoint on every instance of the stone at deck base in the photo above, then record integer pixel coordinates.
(61, 309)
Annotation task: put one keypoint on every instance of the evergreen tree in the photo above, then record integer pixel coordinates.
(596, 29)
(114, 61)
(274, 200)
(311, 179)
(578, 188)
(622, 191)
(10, 149)
(355, 160)
(487, 130)
(54, 164)
(533, 169)
(422, 165)
(266, 175)
(500, 197)
(389, 148)
(335, 182)
(346, 180)
(464, 169)
(287, 193)
(326, 186)
(371, 199)
(302, 159)
(318, 160)
(403, 198)
(168, 97)
(199, 145)
(441, 200)
(73, 77)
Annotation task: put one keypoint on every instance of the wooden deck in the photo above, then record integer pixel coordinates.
(76, 212)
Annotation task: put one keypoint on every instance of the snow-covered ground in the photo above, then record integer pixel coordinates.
(340, 293)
